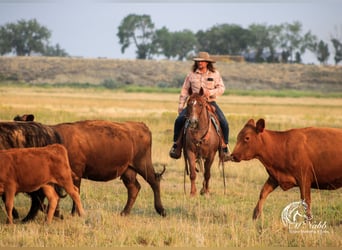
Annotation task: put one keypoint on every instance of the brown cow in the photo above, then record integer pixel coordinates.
(103, 150)
(28, 169)
(306, 157)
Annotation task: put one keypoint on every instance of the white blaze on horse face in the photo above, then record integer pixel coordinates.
(193, 119)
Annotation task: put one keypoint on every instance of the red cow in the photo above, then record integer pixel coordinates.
(29, 169)
(306, 157)
(103, 150)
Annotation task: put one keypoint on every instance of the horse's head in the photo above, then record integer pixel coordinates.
(196, 107)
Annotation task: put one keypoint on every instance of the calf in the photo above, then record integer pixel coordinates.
(28, 169)
(26, 135)
(306, 157)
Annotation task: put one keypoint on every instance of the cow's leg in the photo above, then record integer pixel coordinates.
(72, 190)
(53, 198)
(59, 191)
(305, 194)
(77, 200)
(9, 203)
(15, 213)
(77, 183)
(207, 166)
(37, 203)
(146, 170)
(268, 187)
(129, 178)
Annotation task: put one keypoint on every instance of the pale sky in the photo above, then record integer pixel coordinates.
(88, 28)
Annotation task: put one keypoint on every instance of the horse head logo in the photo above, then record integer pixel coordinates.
(294, 213)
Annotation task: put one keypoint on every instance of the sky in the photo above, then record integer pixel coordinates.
(88, 28)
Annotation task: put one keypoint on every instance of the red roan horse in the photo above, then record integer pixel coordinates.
(201, 140)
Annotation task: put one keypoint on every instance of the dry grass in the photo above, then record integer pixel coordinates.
(243, 76)
(221, 220)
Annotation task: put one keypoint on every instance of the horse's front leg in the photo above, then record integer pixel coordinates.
(192, 164)
(207, 166)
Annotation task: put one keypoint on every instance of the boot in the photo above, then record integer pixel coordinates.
(176, 151)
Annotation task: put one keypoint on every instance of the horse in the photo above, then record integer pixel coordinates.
(202, 139)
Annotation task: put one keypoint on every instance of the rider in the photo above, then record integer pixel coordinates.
(203, 75)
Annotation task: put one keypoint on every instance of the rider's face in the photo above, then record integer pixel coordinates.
(201, 65)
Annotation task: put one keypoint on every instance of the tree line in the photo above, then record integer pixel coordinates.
(285, 43)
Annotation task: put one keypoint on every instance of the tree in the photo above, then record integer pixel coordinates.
(223, 39)
(293, 43)
(54, 51)
(322, 52)
(338, 50)
(23, 38)
(177, 44)
(264, 43)
(336, 40)
(137, 30)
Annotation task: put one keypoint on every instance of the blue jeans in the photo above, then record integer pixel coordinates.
(180, 120)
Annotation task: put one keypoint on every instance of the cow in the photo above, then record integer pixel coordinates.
(28, 169)
(305, 157)
(103, 150)
(29, 134)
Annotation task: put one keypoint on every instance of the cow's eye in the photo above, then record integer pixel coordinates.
(246, 138)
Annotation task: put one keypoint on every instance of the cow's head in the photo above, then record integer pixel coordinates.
(24, 118)
(248, 143)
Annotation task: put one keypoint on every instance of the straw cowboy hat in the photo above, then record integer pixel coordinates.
(203, 56)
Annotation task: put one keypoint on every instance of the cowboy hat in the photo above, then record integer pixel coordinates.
(203, 56)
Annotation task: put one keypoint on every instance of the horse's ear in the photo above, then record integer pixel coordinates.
(201, 92)
(190, 91)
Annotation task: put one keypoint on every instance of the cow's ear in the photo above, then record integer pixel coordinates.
(29, 117)
(260, 125)
(251, 122)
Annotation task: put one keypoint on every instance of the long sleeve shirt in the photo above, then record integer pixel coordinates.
(211, 82)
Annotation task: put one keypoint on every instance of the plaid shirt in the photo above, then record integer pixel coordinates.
(211, 82)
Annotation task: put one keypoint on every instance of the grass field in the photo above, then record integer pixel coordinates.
(220, 220)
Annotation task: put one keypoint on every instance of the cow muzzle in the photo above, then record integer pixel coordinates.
(234, 158)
